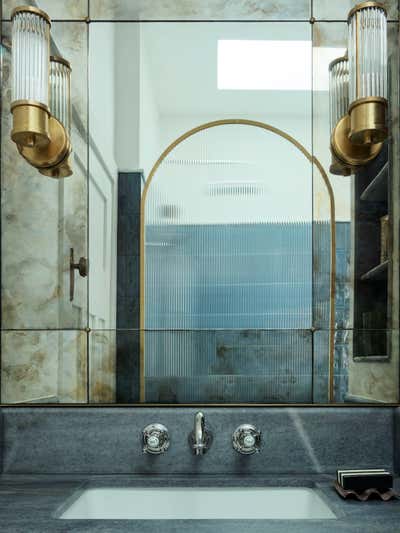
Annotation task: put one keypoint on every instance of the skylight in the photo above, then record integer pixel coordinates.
(253, 65)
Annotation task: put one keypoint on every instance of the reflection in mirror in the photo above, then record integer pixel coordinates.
(366, 254)
(236, 250)
(226, 264)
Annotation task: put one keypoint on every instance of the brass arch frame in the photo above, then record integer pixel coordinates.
(313, 160)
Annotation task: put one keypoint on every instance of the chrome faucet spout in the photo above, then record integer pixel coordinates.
(200, 438)
(199, 425)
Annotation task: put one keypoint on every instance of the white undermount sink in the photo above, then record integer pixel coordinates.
(198, 504)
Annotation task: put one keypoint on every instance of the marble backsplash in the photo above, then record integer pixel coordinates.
(102, 440)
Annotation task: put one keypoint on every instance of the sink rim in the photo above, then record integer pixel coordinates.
(88, 487)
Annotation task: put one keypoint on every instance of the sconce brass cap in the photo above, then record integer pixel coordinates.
(349, 154)
(368, 122)
(365, 5)
(31, 9)
(54, 153)
(30, 123)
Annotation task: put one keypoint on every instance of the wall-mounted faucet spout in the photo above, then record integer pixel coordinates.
(200, 438)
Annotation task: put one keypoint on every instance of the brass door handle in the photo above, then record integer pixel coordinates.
(81, 266)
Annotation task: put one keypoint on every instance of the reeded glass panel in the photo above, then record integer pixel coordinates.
(233, 238)
(235, 245)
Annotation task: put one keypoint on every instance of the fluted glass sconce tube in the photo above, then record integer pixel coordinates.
(60, 107)
(60, 91)
(30, 76)
(338, 90)
(367, 49)
(338, 108)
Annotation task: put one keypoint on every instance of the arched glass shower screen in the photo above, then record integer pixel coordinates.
(226, 310)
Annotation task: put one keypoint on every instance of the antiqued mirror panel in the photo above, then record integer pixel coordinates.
(213, 245)
(192, 10)
(366, 234)
(43, 219)
(47, 366)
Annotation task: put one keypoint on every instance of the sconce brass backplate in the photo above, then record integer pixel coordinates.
(30, 123)
(338, 168)
(63, 170)
(349, 154)
(368, 123)
(54, 153)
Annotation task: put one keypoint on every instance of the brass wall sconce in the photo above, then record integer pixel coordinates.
(346, 156)
(40, 95)
(358, 91)
(367, 49)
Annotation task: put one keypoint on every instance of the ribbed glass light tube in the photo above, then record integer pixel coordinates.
(367, 49)
(30, 55)
(60, 91)
(338, 90)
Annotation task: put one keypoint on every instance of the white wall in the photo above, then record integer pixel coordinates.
(149, 142)
(127, 94)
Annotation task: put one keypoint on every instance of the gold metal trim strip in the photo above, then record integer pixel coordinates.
(353, 405)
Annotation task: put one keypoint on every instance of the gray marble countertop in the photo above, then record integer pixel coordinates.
(32, 504)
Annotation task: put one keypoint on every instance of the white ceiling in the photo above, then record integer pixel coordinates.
(182, 61)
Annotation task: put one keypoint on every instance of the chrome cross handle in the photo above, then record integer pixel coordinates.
(155, 439)
(246, 439)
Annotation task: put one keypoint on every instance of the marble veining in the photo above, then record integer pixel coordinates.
(43, 366)
(102, 366)
(195, 10)
(338, 10)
